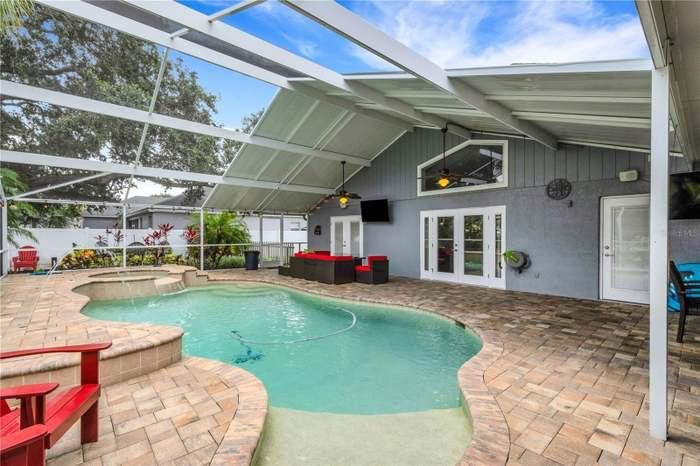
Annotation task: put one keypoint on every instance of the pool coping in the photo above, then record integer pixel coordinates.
(155, 347)
(490, 443)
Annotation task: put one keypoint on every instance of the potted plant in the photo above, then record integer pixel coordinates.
(517, 260)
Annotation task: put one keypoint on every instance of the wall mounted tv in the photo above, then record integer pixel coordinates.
(685, 196)
(375, 211)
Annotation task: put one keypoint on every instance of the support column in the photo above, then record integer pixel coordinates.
(4, 238)
(201, 239)
(260, 218)
(281, 239)
(124, 264)
(658, 254)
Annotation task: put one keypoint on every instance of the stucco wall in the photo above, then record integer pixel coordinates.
(563, 241)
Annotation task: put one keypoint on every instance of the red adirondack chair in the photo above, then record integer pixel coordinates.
(39, 421)
(27, 258)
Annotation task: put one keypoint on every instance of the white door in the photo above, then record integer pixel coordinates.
(463, 245)
(624, 249)
(346, 236)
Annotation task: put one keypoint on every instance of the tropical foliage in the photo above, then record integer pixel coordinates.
(222, 229)
(12, 186)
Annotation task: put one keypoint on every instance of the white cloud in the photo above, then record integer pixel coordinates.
(471, 34)
(150, 188)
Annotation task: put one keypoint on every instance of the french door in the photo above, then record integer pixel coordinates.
(624, 249)
(346, 236)
(464, 245)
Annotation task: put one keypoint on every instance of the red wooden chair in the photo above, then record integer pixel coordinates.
(18, 427)
(27, 258)
(24, 448)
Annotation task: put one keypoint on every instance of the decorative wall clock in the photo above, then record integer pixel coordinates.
(558, 189)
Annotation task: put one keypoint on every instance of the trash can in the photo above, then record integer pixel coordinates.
(252, 258)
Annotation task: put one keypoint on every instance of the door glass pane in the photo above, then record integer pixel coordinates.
(498, 247)
(355, 239)
(474, 245)
(630, 248)
(338, 241)
(426, 244)
(445, 244)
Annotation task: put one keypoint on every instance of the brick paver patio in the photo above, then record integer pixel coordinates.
(559, 381)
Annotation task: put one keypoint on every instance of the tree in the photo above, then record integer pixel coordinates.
(16, 211)
(221, 228)
(64, 53)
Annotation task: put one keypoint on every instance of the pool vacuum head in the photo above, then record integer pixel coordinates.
(249, 355)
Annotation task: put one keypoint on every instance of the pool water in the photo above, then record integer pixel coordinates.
(321, 355)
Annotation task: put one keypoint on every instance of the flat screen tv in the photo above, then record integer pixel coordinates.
(375, 211)
(685, 196)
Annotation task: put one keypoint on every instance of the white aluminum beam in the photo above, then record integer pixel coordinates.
(602, 66)
(141, 31)
(59, 185)
(336, 17)
(221, 31)
(233, 9)
(23, 91)
(658, 254)
(592, 98)
(27, 158)
(599, 120)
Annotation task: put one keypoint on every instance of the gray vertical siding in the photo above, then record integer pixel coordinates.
(562, 240)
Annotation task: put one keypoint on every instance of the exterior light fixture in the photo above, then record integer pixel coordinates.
(443, 181)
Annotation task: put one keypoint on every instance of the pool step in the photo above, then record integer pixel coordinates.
(169, 284)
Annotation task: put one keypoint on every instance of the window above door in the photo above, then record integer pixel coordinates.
(478, 164)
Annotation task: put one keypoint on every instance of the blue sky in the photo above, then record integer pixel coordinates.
(454, 34)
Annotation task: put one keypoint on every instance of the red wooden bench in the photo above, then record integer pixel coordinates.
(18, 427)
(27, 258)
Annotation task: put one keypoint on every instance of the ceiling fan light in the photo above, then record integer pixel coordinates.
(443, 181)
(343, 200)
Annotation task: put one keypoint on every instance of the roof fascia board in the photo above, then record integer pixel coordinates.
(652, 18)
(354, 28)
(605, 66)
(28, 158)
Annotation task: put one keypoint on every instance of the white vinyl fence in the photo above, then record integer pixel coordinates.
(57, 242)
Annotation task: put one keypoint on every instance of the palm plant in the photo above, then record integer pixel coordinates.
(225, 228)
(12, 12)
(12, 185)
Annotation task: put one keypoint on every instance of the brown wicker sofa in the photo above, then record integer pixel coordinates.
(322, 267)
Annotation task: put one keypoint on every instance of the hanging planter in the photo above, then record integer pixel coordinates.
(517, 260)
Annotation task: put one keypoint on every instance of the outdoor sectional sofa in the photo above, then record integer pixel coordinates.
(321, 267)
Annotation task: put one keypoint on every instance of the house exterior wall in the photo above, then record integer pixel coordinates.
(562, 240)
(100, 222)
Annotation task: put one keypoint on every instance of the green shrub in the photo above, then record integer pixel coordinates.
(172, 259)
(231, 262)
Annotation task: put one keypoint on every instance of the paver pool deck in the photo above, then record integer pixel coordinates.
(559, 380)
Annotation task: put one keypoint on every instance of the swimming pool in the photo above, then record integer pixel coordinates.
(330, 367)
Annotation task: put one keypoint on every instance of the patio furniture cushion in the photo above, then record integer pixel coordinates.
(362, 268)
(371, 259)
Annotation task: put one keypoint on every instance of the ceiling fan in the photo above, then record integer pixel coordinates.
(444, 178)
(342, 195)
